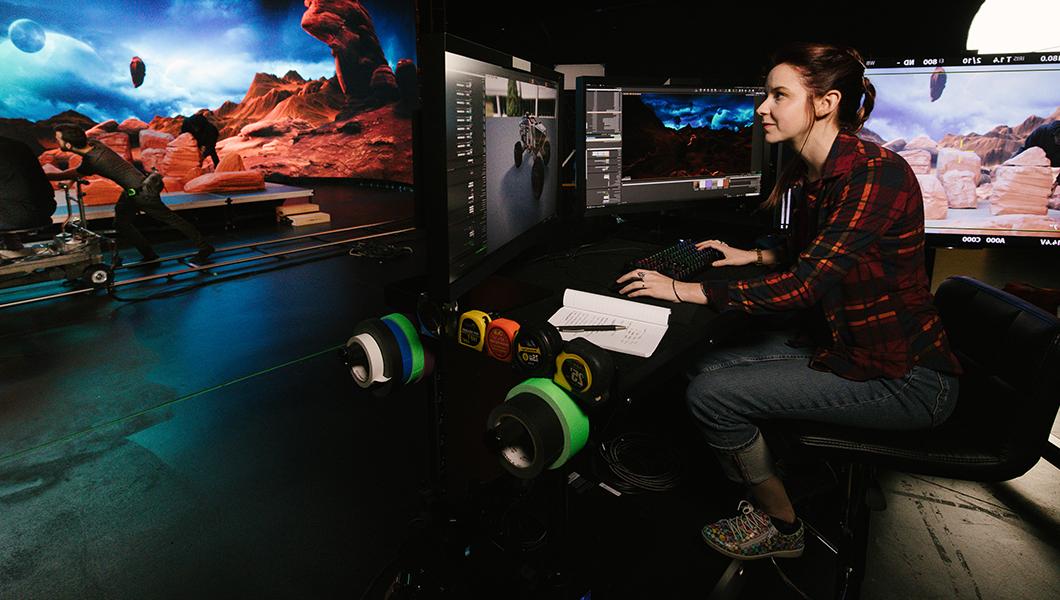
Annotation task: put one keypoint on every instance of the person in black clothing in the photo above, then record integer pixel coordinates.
(139, 193)
(26, 198)
(205, 134)
(1046, 137)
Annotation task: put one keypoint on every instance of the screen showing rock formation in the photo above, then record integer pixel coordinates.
(303, 89)
(686, 135)
(982, 135)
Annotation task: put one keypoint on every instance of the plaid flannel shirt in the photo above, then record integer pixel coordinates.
(858, 247)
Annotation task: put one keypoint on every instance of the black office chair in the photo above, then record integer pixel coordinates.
(1010, 351)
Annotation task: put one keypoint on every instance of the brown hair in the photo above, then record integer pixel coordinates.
(825, 67)
(72, 134)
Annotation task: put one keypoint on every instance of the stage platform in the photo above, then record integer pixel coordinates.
(183, 201)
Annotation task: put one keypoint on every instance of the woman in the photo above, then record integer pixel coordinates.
(878, 356)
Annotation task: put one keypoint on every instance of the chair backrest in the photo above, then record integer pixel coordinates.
(1010, 351)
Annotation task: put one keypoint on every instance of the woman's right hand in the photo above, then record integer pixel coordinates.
(734, 257)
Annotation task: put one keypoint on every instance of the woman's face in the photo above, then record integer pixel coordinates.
(785, 113)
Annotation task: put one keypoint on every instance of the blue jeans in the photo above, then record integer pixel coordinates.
(761, 378)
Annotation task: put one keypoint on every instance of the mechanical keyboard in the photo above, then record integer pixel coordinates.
(679, 261)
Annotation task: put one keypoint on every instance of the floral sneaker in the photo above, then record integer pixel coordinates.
(752, 535)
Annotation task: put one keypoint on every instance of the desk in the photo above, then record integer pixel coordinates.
(693, 327)
(621, 545)
(531, 291)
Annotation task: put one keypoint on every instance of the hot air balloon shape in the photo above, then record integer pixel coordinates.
(938, 83)
(137, 69)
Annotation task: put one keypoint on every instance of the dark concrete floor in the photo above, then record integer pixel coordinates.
(209, 443)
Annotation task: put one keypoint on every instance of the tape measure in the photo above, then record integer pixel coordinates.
(536, 347)
(472, 331)
(500, 338)
(586, 371)
(537, 427)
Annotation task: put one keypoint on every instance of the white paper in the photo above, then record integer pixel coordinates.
(645, 324)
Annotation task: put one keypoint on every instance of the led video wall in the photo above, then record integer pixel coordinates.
(314, 88)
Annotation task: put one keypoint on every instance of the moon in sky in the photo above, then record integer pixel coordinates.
(26, 35)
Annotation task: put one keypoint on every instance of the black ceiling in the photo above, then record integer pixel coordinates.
(716, 42)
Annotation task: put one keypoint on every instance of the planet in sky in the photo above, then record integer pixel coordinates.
(26, 35)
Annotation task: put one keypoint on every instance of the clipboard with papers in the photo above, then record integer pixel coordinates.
(645, 325)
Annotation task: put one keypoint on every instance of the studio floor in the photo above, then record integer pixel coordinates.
(209, 443)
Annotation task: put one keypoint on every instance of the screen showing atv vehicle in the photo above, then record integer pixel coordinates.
(649, 145)
(502, 175)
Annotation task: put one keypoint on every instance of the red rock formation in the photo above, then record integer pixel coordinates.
(108, 126)
(316, 109)
(182, 160)
(951, 159)
(173, 184)
(960, 188)
(374, 145)
(151, 158)
(149, 138)
(132, 127)
(266, 92)
(935, 200)
(896, 145)
(346, 27)
(994, 147)
(1022, 185)
(227, 182)
(231, 162)
(100, 191)
(919, 160)
(923, 142)
(383, 85)
(170, 125)
(63, 160)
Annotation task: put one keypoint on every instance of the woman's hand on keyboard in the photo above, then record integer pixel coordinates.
(734, 257)
(645, 283)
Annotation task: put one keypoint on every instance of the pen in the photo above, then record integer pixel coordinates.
(591, 327)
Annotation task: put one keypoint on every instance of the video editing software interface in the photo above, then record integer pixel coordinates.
(982, 134)
(650, 144)
(502, 177)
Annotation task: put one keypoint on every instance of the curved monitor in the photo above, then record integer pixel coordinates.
(490, 169)
(646, 147)
(982, 133)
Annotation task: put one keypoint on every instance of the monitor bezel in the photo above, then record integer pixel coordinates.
(974, 238)
(431, 188)
(581, 85)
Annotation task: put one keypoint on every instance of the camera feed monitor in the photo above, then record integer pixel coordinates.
(644, 146)
(502, 178)
(982, 134)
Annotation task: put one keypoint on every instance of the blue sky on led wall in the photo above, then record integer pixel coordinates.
(199, 53)
(975, 100)
(713, 111)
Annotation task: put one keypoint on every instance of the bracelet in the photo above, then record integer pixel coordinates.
(673, 284)
(758, 260)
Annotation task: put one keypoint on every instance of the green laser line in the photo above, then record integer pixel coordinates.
(92, 428)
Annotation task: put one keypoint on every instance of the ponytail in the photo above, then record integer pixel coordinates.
(867, 103)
